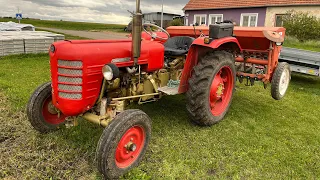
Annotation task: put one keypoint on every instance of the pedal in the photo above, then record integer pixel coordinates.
(169, 90)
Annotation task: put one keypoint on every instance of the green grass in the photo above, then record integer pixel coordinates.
(81, 26)
(260, 138)
(311, 45)
(66, 36)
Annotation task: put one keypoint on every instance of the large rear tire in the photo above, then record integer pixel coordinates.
(123, 143)
(280, 81)
(41, 113)
(211, 88)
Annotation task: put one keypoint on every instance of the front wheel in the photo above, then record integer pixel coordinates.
(211, 88)
(42, 114)
(123, 143)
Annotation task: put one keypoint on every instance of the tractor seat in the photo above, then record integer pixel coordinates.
(178, 46)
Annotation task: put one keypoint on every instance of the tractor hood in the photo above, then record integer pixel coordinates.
(101, 52)
(76, 69)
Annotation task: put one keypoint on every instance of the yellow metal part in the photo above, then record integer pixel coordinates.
(177, 62)
(120, 105)
(52, 109)
(71, 122)
(206, 40)
(147, 101)
(115, 84)
(176, 67)
(147, 89)
(153, 82)
(220, 90)
(133, 97)
(102, 121)
(140, 88)
(102, 90)
(163, 76)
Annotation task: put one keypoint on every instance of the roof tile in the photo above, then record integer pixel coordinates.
(221, 4)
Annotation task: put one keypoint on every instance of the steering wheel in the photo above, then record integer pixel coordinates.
(154, 35)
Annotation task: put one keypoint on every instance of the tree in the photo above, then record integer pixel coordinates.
(302, 25)
(176, 22)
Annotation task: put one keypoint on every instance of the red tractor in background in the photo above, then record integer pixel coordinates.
(96, 79)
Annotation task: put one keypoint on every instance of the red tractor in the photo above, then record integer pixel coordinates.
(97, 79)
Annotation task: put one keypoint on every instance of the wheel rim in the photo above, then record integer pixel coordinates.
(49, 113)
(284, 82)
(221, 90)
(130, 146)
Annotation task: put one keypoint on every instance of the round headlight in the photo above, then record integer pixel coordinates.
(107, 72)
(52, 48)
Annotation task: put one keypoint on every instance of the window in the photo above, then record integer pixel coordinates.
(279, 20)
(249, 20)
(213, 18)
(200, 19)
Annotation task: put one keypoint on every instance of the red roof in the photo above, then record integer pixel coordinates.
(229, 4)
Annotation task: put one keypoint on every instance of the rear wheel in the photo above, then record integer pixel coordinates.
(42, 114)
(123, 143)
(280, 81)
(211, 88)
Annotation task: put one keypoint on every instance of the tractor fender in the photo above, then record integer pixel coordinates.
(217, 43)
(198, 49)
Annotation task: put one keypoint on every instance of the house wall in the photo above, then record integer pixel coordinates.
(228, 14)
(272, 11)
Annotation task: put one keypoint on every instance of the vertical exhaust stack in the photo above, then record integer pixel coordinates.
(136, 33)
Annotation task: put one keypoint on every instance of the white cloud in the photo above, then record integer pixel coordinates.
(110, 11)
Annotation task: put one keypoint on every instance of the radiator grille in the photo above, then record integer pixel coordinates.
(70, 88)
(70, 95)
(73, 80)
(69, 80)
(74, 64)
(74, 72)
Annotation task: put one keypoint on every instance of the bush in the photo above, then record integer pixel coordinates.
(176, 22)
(302, 25)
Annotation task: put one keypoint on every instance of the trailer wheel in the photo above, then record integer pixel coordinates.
(280, 81)
(41, 113)
(211, 88)
(123, 143)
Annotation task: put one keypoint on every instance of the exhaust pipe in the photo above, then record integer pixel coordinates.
(136, 33)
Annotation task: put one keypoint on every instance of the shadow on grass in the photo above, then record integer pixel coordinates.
(303, 79)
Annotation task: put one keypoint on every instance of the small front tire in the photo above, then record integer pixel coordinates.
(42, 115)
(123, 143)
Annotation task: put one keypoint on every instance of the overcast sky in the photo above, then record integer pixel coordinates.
(105, 11)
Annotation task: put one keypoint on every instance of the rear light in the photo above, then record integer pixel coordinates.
(207, 40)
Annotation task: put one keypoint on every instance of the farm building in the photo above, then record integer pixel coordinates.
(156, 17)
(246, 13)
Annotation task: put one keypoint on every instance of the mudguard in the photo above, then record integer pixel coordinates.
(199, 49)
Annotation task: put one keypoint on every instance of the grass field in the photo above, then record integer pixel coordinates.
(260, 138)
(81, 26)
(311, 45)
(66, 36)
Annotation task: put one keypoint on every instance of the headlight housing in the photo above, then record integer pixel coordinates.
(110, 72)
(52, 48)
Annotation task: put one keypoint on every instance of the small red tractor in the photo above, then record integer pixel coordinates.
(96, 79)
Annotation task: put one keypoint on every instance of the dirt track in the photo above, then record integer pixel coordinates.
(88, 34)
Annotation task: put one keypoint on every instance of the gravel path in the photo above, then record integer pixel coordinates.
(88, 34)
